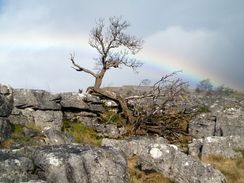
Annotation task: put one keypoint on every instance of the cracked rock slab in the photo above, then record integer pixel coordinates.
(77, 163)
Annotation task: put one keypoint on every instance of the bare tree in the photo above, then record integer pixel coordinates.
(160, 110)
(114, 47)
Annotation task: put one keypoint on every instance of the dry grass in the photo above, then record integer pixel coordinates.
(233, 169)
(138, 176)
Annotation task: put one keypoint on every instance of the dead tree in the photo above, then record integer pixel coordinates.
(114, 47)
(160, 110)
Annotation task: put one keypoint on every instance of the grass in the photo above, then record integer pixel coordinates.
(139, 176)
(203, 109)
(233, 169)
(81, 133)
(18, 137)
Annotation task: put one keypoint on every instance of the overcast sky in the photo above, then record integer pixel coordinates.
(203, 38)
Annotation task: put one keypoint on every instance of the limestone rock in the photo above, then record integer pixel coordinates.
(231, 122)
(226, 147)
(132, 146)
(155, 154)
(6, 100)
(5, 129)
(48, 119)
(14, 168)
(36, 99)
(203, 125)
(76, 163)
(55, 137)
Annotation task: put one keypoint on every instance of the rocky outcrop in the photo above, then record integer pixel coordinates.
(37, 107)
(15, 168)
(203, 125)
(55, 137)
(167, 160)
(5, 129)
(40, 118)
(6, 100)
(224, 117)
(231, 122)
(36, 99)
(6, 106)
(226, 147)
(81, 102)
(76, 163)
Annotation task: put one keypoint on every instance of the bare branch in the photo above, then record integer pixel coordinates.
(79, 68)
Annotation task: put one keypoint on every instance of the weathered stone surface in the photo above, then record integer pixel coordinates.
(22, 116)
(132, 146)
(5, 129)
(73, 101)
(36, 99)
(176, 165)
(14, 168)
(167, 159)
(76, 163)
(40, 118)
(6, 100)
(55, 137)
(203, 125)
(85, 117)
(226, 147)
(81, 102)
(48, 119)
(109, 130)
(231, 122)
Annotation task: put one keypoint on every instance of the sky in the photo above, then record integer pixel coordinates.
(203, 38)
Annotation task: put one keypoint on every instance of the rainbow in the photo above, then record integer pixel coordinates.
(157, 61)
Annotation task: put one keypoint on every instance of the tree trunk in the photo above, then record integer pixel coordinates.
(98, 82)
(118, 98)
(99, 78)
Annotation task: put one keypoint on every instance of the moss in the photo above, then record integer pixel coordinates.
(203, 109)
(81, 133)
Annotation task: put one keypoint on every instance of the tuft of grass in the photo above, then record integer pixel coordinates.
(233, 169)
(139, 176)
(81, 133)
(18, 137)
(203, 109)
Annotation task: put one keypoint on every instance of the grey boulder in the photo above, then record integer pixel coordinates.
(40, 118)
(5, 129)
(155, 154)
(203, 125)
(56, 137)
(14, 168)
(6, 100)
(76, 163)
(226, 147)
(231, 122)
(36, 99)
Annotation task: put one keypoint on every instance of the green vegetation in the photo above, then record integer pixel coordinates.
(18, 136)
(81, 133)
(203, 109)
(233, 169)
